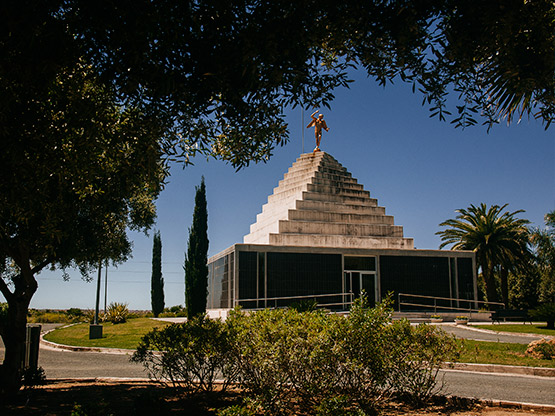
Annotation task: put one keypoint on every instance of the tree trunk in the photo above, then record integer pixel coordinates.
(14, 327)
(491, 287)
(14, 332)
(504, 275)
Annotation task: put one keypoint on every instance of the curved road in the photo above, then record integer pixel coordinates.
(477, 334)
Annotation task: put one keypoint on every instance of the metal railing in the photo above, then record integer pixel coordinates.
(435, 305)
(267, 302)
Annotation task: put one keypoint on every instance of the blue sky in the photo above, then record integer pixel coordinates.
(420, 169)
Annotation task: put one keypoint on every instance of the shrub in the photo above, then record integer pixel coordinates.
(416, 354)
(89, 316)
(32, 377)
(74, 312)
(283, 354)
(309, 362)
(236, 410)
(174, 311)
(117, 313)
(190, 355)
(305, 305)
(542, 349)
(545, 312)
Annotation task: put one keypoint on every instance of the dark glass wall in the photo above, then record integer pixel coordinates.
(428, 276)
(248, 268)
(300, 274)
(220, 274)
(466, 278)
(359, 263)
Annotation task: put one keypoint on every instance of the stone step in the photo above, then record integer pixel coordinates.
(343, 199)
(334, 177)
(331, 217)
(287, 194)
(339, 207)
(336, 190)
(317, 177)
(337, 184)
(340, 241)
(292, 188)
(311, 169)
(268, 221)
(324, 228)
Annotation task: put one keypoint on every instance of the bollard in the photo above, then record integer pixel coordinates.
(31, 352)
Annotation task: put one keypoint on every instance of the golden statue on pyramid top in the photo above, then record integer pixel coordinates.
(319, 124)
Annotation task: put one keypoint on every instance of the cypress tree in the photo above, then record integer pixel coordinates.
(157, 281)
(196, 258)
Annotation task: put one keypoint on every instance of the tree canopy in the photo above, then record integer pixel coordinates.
(218, 74)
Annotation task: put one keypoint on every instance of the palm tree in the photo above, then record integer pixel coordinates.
(499, 240)
(544, 246)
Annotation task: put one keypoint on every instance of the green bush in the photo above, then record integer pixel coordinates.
(74, 312)
(313, 362)
(545, 312)
(542, 349)
(416, 354)
(117, 313)
(284, 354)
(236, 410)
(174, 311)
(190, 355)
(305, 305)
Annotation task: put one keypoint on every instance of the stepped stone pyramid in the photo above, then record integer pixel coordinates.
(319, 204)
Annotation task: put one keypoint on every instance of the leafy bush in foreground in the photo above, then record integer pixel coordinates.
(292, 362)
(191, 354)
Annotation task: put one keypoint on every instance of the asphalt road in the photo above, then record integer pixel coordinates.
(462, 331)
(505, 387)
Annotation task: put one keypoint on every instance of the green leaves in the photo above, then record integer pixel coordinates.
(499, 239)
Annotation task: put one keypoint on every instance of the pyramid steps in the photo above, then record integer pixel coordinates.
(340, 198)
(338, 217)
(339, 208)
(318, 203)
(321, 227)
(342, 241)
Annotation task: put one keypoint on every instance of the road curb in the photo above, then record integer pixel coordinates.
(101, 350)
(517, 334)
(501, 369)
(517, 405)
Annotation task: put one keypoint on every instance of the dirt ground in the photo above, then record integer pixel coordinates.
(89, 398)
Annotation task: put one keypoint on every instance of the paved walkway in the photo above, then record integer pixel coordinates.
(478, 334)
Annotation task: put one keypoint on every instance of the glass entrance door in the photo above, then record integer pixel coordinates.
(356, 281)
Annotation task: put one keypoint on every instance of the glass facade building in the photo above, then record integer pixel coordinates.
(259, 276)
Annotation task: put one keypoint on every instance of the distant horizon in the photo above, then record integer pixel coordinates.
(420, 169)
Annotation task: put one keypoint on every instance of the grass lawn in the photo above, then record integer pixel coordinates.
(521, 328)
(499, 353)
(125, 335)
